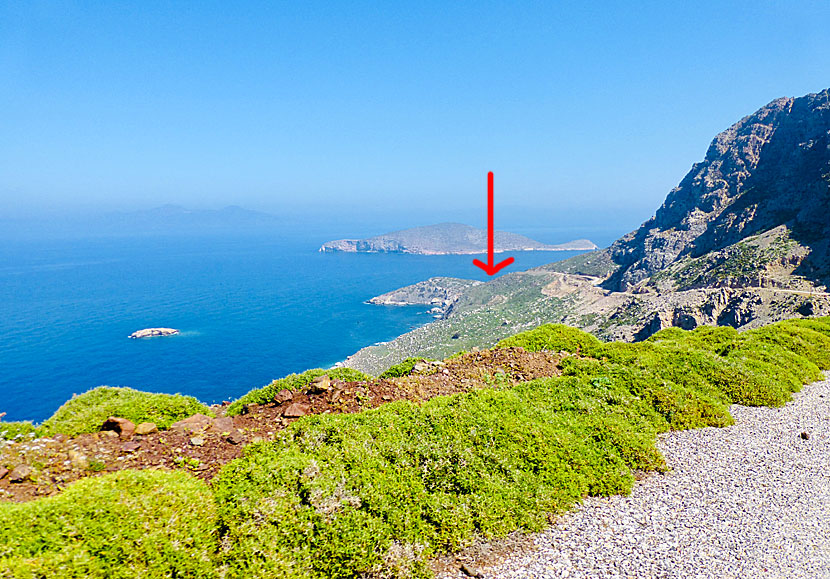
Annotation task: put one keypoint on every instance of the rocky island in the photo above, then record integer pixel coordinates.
(153, 333)
(446, 239)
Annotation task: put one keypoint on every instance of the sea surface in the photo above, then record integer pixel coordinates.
(250, 309)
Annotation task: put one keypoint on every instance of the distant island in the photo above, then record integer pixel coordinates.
(152, 333)
(448, 238)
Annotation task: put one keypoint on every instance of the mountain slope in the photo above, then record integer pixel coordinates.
(743, 240)
(447, 238)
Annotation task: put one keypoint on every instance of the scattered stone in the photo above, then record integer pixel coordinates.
(78, 459)
(146, 428)
(386, 397)
(3, 472)
(108, 434)
(235, 437)
(296, 410)
(283, 396)
(197, 441)
(195, 423)
(21, 473)
(470, 570)
(122, 426)
(420, 367)
(222, 425)
(320, 384)
(805, 436)
(130, 446)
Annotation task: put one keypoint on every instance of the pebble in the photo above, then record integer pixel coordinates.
(749, 500)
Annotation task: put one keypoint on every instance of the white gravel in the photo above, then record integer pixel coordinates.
(751, 500)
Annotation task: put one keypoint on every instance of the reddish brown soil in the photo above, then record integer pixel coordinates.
(52, 458)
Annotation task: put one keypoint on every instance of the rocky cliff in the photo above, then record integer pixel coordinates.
(448, 238)
(770, 169)
(743, 240)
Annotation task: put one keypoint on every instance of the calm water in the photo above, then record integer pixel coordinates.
(250, 310)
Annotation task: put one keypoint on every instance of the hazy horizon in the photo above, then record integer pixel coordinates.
(346, 108)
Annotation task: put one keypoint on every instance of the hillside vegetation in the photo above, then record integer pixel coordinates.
(380, 492)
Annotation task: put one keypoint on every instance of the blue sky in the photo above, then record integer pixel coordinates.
(580, 108)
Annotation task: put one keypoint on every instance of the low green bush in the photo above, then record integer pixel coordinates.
(12, 430)
(556, 337)
(266, 394)
(381, 491)
(128, 524)
(87, 412)
(402, 368)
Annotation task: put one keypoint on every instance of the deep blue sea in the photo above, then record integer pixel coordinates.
(250, 309)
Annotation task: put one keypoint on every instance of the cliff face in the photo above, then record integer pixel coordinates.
(769, 169)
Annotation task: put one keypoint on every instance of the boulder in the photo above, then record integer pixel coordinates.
(320, 384)
(195, 423)
(146, 428)
(122, 426)
(296, 410)
(21, 473)
(235, 437)
(131, 446)
(283, 396)
(222, 424)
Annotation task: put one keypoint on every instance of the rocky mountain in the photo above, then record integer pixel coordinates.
(448, 238)
(743, 240)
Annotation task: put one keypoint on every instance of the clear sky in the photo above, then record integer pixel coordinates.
(578, 107)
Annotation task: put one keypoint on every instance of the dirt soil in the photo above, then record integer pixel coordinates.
(59, 460)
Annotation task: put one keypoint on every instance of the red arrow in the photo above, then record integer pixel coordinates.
(489, 267)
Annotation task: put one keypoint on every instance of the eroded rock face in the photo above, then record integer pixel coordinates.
(768, 169)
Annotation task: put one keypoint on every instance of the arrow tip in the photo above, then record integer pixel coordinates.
(493, 269)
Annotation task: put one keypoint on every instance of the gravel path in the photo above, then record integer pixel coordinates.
(751, 500)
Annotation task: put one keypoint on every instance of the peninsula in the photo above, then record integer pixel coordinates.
(446, 239)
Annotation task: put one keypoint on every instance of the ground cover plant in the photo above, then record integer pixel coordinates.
(376, 494)
(88, 411)
(148, 524)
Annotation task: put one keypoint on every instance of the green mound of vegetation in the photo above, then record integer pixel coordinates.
(122, 525)
(87, 412)
(555, 337)
(293, 382)
(402, 368)
(380, 492)
(13, 430)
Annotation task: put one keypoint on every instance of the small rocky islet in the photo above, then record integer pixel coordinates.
(153, 333)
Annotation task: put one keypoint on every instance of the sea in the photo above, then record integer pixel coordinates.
(250, 308)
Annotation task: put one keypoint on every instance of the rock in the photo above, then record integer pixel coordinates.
(805, 436)
(78, 459)
(235, 437)
(320, 384)
(122, 426)
(296, 410)
(131, 446)
(421, 367)
(470, 570)
(195, 423)
(222, 425)
(3, 472)
(21, 473)
(146, 428)
(283, 396)
(197, 441)
(153, 332)
(108, 434)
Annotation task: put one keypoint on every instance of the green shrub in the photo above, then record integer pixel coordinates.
(122, 525)
(11, 430)
(266, 394)
(712, 338)
(555, 337)
(402, 368)
(88, 411)
(381, 491)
